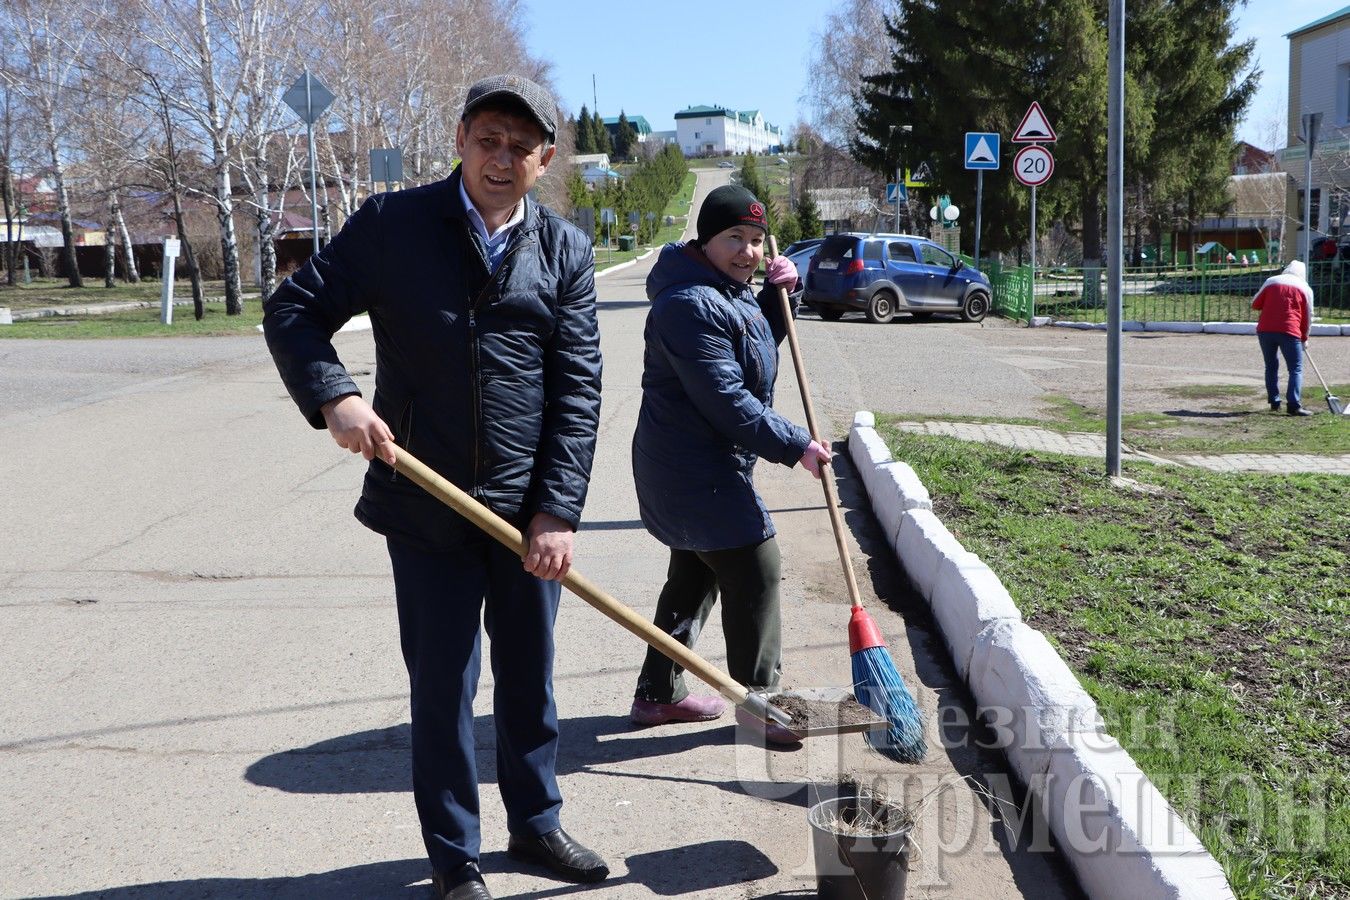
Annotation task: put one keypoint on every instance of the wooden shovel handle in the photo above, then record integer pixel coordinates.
(506, 533)
(826, 482)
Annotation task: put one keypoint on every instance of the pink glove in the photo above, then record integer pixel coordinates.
(815, 457)
(781, 270)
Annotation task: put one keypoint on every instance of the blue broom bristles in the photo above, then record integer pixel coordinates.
(878, 685)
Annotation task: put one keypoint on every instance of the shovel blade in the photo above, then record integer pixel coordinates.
(1337, 407)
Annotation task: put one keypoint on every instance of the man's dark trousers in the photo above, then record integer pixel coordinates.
(439, 600)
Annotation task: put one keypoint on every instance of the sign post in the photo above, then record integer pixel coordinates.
(981, 154)
(386, 162)
(308, 98)
(171, 247)
(1033, 166)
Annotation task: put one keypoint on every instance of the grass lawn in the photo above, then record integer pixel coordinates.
(1148, 307)
(141, 323)
(678, 208)
(44, 292)
(1209, 618)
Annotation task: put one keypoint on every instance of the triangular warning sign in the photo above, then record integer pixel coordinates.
(982, 151)
(1035, 127)
(920, 176)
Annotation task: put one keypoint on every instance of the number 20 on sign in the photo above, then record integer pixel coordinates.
(1033, 165)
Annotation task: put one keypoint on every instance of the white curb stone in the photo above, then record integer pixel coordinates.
(1345, 331)
(869, 452)
(1117, 831)
(1324, 330)
(923, 544)
(6, 318)
(1230, 327)
(1133, 326)
(1032, 699)
(967, 599)
(1122, 837)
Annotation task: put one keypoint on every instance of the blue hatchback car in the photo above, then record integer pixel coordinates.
(882, 274)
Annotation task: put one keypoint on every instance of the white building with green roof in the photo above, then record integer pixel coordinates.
(716, 130)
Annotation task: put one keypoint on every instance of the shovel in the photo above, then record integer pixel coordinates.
(1333, 402)
(506, 533)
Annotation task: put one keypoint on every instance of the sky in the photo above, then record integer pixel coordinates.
(653, 59)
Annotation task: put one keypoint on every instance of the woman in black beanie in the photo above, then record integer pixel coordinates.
(707, 395)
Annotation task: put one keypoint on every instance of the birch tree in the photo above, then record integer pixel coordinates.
(49, 37)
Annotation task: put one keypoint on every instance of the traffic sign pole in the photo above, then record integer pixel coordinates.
(979, 205)
(1032, 311)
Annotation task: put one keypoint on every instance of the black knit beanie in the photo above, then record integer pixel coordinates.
(726, 207)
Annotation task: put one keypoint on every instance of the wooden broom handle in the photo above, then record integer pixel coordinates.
(826, 481)
(506, 533)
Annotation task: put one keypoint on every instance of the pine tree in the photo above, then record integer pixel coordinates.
(964, 65)
(808, 216)
(602, 142)
(625, 137)
(585, 132)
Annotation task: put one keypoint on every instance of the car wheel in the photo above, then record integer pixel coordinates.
(830, 313)
(881, 308)
(976, 306)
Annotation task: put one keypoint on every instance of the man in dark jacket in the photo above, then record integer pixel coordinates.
(488, 368)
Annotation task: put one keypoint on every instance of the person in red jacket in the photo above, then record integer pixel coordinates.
(1285, 302)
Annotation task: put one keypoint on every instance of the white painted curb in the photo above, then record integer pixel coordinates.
(1123, 839)
(1317, 330)
(624, 265)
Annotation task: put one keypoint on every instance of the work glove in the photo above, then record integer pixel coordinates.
(781, 270)
(815, 456)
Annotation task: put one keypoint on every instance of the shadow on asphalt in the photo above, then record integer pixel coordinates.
(686, 871)
(393, 880)
(378, 761)
(1017, 825)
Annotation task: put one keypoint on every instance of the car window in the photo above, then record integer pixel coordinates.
(934, 255)
(901, 252)
(872, 250)
(838, 248)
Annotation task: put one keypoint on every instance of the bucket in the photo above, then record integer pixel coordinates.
(858, 866)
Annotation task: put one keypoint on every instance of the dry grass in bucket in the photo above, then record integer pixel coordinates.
(875, 813)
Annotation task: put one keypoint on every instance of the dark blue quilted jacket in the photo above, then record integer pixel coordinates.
(493, 381)
(707, 395)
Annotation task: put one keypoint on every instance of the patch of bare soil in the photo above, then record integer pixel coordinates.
(809, 713)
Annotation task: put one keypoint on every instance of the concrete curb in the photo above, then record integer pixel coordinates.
(1122, 837)
(1248, 328)
(625, 265)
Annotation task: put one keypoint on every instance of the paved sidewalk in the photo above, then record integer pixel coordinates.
(1078, 443)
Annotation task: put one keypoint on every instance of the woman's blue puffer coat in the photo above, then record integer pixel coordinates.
(707, 394)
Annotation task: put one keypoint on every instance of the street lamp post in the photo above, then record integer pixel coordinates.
(899, 174)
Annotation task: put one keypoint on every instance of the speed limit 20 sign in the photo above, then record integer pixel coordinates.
(1033, 165)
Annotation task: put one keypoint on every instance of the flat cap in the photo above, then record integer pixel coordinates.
(524, 91)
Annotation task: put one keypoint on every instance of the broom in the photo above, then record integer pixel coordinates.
(876, 683)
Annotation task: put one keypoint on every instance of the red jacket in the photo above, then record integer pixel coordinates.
(1285, 302)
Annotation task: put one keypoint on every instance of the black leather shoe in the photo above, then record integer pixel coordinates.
(1300, 411)
(466, 884)
(564, 856)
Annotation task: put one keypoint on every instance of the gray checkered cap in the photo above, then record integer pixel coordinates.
(537, 100)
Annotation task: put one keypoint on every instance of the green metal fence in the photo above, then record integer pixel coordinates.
(1158, 294)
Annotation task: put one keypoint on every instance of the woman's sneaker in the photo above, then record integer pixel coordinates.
(691, 709)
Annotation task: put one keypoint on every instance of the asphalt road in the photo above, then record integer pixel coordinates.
(204, 692)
